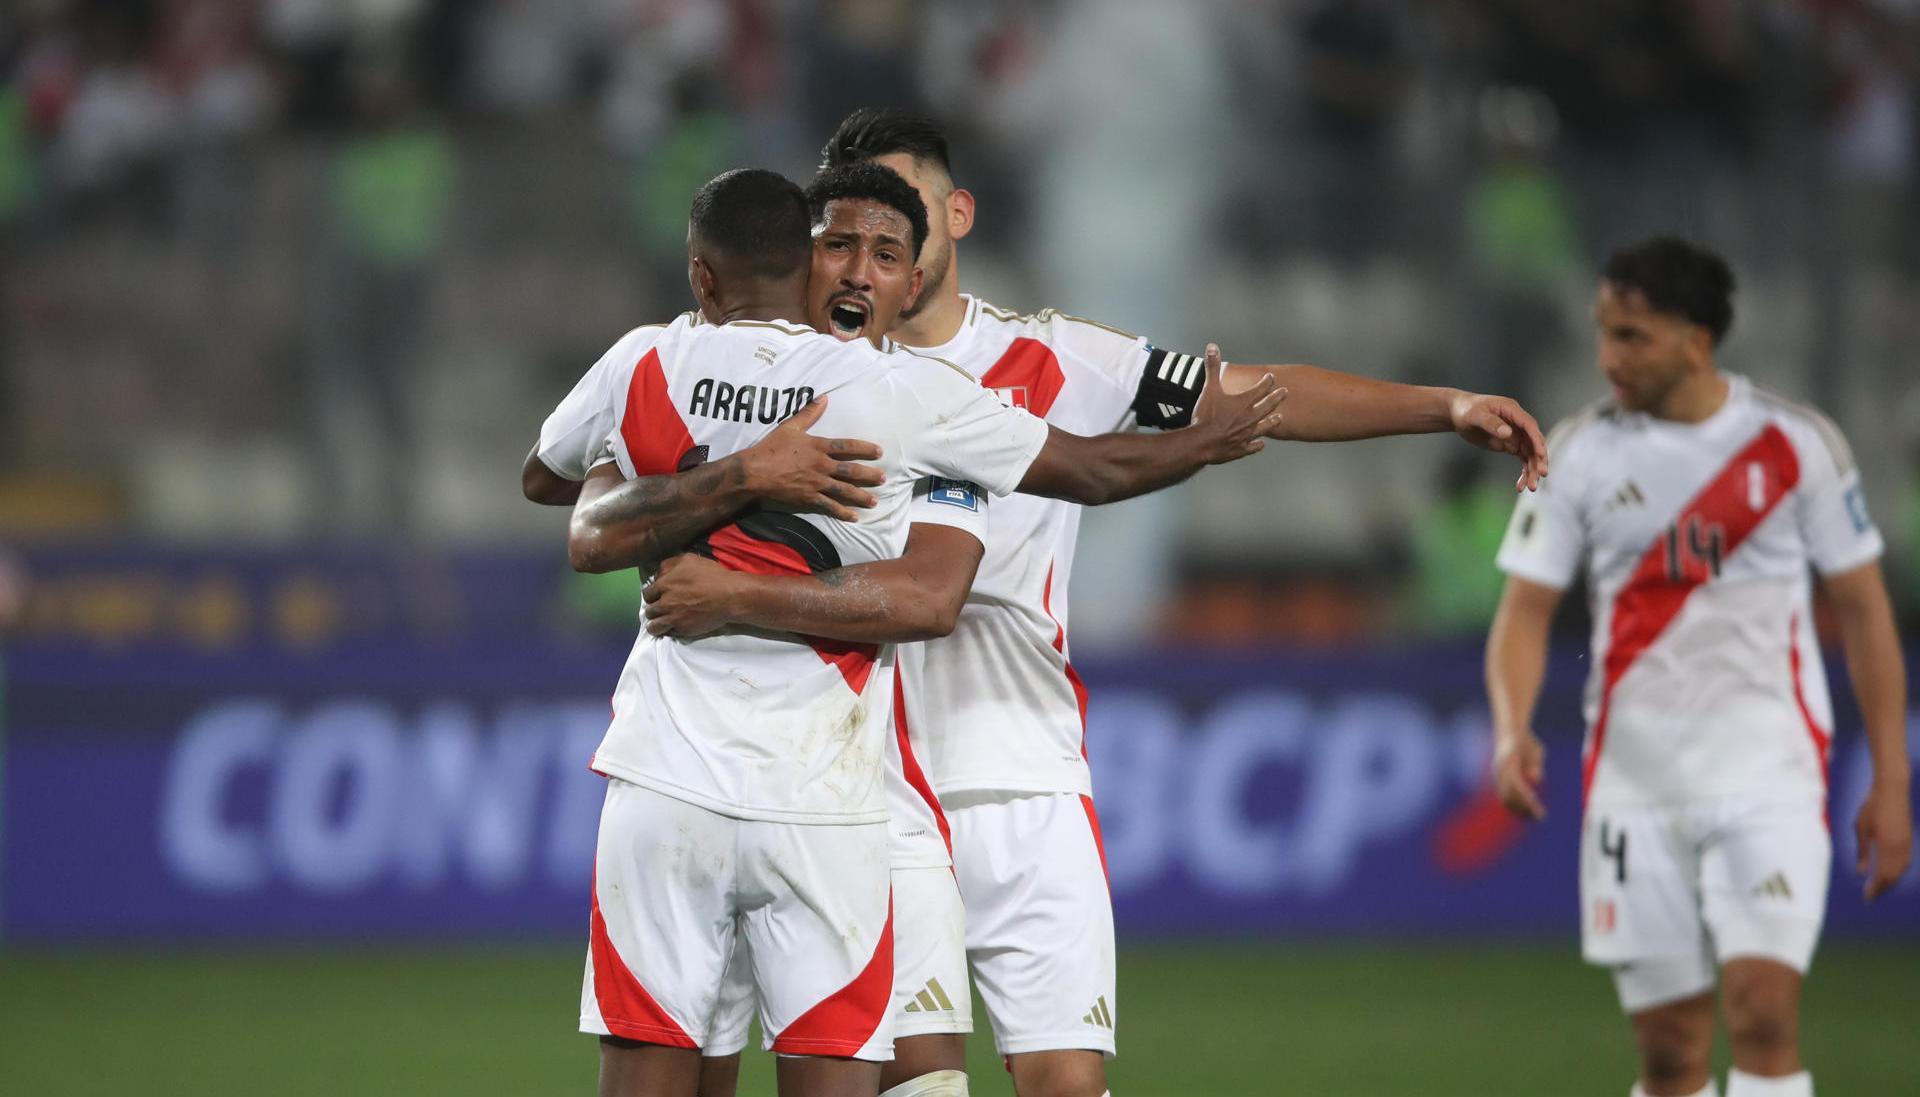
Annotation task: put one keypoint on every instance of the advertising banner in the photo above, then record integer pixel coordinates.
(400, 788)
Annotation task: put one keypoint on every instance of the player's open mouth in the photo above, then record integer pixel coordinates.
(847, 317)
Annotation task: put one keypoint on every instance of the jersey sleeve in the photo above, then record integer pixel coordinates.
(1546, 539)
(578, 433)
(1832, 509)
(1151, 387)
(957, 503)
(959, 431)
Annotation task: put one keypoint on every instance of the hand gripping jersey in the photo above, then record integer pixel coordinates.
(1706, 676)
(754, 724)
(996, 705)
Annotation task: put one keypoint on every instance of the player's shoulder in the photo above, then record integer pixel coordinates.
(1810, 430)
(779, 333)
(933, 380)
(917, 360)
(1056, 328)
(649, 335)
(1593, 425)
(775, 329)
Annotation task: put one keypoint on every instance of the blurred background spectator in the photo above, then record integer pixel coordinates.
(273, 270)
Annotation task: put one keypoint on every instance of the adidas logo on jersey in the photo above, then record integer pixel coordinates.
(931, 999)
(1628, 495)
(1099, 1016)
(1775, 886)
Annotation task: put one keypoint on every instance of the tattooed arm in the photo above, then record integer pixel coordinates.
(915, 597)
(619, 524)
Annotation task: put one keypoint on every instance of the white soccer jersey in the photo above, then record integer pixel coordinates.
(1706, 675)
(756, 724)
(996, 705)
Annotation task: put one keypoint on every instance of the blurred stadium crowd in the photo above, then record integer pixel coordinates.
(290, 270)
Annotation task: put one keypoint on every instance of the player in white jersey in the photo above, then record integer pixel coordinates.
(720, 746)
(1695, 503)
(993, 714)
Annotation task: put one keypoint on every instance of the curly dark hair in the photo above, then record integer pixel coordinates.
(865, 180)
(1679, 278)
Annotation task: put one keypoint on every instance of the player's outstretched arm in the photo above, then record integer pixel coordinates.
(542, 485)
(1109, 468)
(915, 597)
(1330, 406)
(1516, 665)
(620, 523)
(1885, 823)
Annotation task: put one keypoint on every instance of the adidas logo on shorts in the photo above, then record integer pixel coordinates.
(1775, 887)
(931, 999)
(1099, 1016)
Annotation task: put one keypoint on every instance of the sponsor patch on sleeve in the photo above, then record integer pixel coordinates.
(953, 493)
(1857, 510)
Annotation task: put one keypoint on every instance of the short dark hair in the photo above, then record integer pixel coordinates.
(754, 222)
(867, 181)
(883, 131)
(1679, 278)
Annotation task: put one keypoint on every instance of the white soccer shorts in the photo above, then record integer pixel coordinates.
(1039, 918)
(1667, 893)
(675, 885)
(930, 993)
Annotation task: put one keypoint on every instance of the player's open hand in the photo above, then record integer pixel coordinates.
(1885, 831)
(1519, 765)
(688, 597)
(1503, 426)
(797, 471)
(1233, 425)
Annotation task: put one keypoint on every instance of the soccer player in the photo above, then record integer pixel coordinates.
(1695, 503)
(992, 717)
(744, 768)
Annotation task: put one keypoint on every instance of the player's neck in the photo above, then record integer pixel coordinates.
(1695, 399)
(937, 323)
(767, 308)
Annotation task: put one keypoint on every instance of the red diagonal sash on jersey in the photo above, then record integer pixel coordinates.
(734, 549)
(1031, 373)
(656, 439)
(655, 435)
(1729, 508)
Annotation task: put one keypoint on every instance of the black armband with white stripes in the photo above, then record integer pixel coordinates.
(1170, 389)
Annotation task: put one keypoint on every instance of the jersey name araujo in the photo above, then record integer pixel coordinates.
(713, 399)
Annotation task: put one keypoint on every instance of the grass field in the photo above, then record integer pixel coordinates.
(1329, 1021)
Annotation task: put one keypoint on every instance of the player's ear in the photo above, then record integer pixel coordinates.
(959, 213)
(914, 285)
(1700, 343)
(700, 281)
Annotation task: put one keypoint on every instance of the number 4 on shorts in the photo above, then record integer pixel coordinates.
(1614, 847)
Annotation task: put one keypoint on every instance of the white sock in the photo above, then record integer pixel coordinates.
(940, 1083)
(1711, 1091)
(1742, 1084)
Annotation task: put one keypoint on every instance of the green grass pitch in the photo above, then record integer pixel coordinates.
(1336, 1020)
